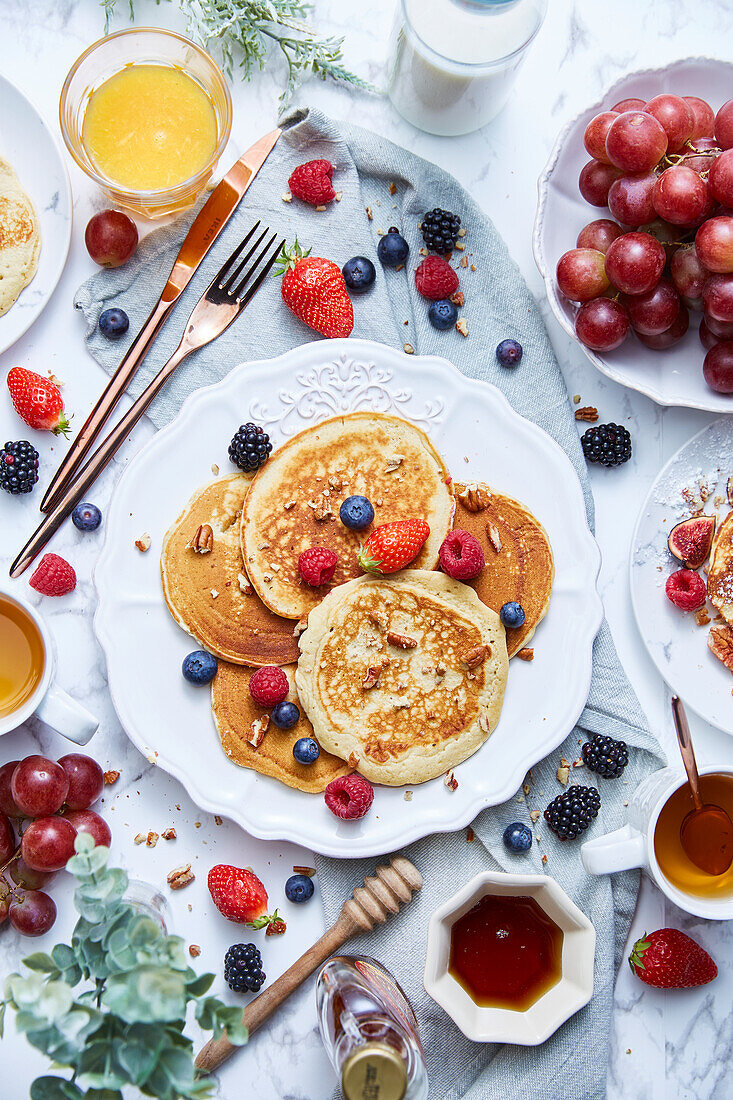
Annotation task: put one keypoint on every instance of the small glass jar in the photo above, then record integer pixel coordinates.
(143, 45)
(453, 62)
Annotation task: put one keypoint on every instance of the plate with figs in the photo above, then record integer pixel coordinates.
(634, 233)
(682, 573)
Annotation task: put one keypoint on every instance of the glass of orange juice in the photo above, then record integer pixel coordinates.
(146, 113)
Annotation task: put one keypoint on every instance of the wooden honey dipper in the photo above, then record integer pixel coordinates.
(385, 892)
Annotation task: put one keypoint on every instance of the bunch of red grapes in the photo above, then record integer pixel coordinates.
(664, 169)
(48, 803)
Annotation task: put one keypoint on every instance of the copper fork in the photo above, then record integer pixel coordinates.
(230, 291)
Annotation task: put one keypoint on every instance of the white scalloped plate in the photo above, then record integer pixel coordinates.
(672, 377)
(481, 438)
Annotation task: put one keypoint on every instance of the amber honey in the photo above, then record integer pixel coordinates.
(673, 863)
(22, 657)
(506, 952)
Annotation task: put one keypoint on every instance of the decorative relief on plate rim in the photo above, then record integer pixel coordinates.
(344, 385)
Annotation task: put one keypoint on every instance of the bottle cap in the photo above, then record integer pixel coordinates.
(374, 1071)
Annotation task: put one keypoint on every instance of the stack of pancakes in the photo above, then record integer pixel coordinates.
(434, 648)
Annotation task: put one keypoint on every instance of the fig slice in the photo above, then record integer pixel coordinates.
(690, 541)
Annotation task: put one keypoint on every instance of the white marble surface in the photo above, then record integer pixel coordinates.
(666, 1045)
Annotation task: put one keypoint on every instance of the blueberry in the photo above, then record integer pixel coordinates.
(306, 750)
(509, 353)
(359, 274)
(285, 715)
(299, 888)
(392, 248)
(199, 667)
(512, 614)
(86, 517)
(518, 837)
(114, 323)
(442, 314)
(356, 513)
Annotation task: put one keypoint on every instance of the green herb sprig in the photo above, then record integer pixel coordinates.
(111, 1006)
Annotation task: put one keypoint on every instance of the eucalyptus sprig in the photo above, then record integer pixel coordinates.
(111, 1006)
(244, 31)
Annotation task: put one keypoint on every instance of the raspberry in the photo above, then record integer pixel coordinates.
(349, 796)
(461, 556)
(53, 577)
(435, 278)
(686, 589)
(268, 686)
(311, 182)
(317, 565)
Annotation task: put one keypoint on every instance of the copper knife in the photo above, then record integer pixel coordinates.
(209, 222)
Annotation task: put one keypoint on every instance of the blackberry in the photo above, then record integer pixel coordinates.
(18, 467)
(604, 756)
(440, 229)
(243, 968)
(250, 448)
(609, 444)
(571, 812)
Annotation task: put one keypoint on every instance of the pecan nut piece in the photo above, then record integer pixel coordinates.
(476, 656)
(474, 498)
(203, 540)
(401, 641)
(373, 672)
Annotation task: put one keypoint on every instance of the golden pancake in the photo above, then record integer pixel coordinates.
(20, 238)
(295, 498)
(720, 573)
(208, 593)
(407, 673)
(235, 711)
(519, 563)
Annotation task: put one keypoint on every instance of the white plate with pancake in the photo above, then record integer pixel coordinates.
(29, 146)
(676, 644)
(171, 722)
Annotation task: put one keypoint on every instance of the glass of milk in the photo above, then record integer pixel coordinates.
(453, 62)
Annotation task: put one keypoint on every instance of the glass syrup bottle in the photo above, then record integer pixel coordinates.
(369, 1031)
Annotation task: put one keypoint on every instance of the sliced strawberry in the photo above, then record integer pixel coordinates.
(37, 401)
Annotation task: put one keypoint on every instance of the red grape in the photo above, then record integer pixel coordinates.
(86, 780)
(653, 313)
(714, 244)
(721, 178)
(680, 195)
(717, 297)
(630, 199)
(7, 802)
(48, 843)
(722, 329)
(724, 125)
(636, 142)
(628, 105)
(707, 338)
(595, 180)
(675, 116)
(635, 262)
(32, 913)
(688, 274)
(703, 116)
(39, 786)
(602, 324)
(581, 274)
(86, 821)
(594, 137)
(23, 875)
(718, 367)
(670, 336)
(599, 234)
(7, 839)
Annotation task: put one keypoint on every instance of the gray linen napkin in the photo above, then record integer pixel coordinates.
(572, 1064)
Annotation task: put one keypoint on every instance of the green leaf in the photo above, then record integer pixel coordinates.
(42, 962)
(55, 1088)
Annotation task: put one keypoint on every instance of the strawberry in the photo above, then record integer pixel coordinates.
(668, 959)
(314, 290)
(435, 278)
(240, 896)
(311, 182)
(37, 400)
(393, 546)
(53, 576)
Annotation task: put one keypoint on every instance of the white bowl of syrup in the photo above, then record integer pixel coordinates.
(510, 958)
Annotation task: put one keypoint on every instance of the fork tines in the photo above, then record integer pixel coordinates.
(227, 286)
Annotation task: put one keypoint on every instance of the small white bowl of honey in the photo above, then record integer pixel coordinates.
(510, 958)
(146, 113)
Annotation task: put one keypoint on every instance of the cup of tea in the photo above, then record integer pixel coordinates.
(651, 840)
(27, 669)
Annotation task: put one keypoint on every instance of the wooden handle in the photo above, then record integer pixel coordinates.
(381, 895)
